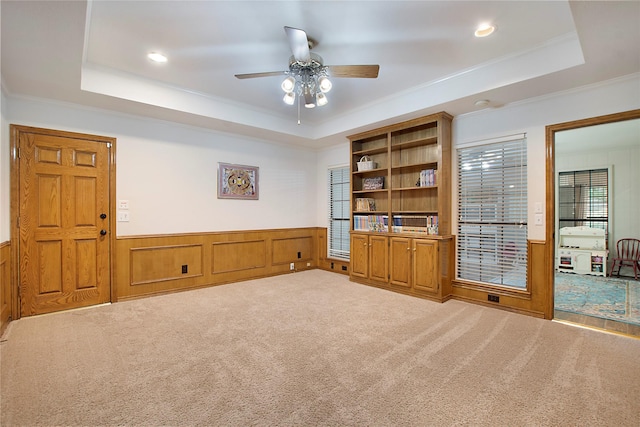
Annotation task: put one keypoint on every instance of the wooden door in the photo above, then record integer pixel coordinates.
(359, 255)
(400, 265)
(378, 258)
(425, 265)
(63, 220)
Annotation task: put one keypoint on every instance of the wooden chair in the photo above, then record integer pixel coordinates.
(628, 254)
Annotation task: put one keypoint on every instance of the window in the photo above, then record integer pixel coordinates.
(492, 213)
(583, 199)
(339, 212)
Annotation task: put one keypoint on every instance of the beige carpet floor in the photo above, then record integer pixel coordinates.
(308, 349)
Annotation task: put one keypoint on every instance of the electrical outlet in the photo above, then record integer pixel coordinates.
(308, 264)
(292, 266)
(185, 269)
(493, 298)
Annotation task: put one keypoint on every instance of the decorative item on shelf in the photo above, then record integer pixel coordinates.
(426, 224)
(365, 164)
(365, 205)
(374, 223)
(427, 178)
(374, 183)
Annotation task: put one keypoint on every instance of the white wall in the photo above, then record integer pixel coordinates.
(167, 172)
(531, 117)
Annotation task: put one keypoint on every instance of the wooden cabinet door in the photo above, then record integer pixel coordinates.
(400, 262)
(359, 255)
(425, 265)
(378, 258)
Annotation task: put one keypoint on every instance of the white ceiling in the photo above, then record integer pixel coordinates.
(94, 54)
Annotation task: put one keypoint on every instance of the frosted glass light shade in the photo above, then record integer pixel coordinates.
(289, 98)
(288, 84)
(324, 84)
(321, 99)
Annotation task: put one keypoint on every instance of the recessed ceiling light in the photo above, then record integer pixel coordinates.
(484, 30)
(157, 57)
(481, 103)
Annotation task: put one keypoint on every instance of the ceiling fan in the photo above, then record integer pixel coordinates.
(308, 77)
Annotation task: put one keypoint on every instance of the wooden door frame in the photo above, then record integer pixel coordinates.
(550, 199)
(15, 131)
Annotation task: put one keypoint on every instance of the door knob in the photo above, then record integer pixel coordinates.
(103, 215)
(103, 232)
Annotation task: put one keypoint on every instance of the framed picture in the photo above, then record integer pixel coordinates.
(237, 181)
(375, 183)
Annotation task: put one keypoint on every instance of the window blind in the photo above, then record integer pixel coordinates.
(583, 198)
(339, 212)
(492, 213)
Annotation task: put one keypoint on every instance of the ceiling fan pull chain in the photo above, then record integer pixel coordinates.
(298, 110)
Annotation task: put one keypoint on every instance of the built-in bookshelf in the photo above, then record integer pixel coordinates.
(407, 186)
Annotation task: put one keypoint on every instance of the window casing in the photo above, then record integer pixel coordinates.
(339, 212)
(492, 214)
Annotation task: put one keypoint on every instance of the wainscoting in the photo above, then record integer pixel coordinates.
(533, 301)
(148, 265)
(5, 285)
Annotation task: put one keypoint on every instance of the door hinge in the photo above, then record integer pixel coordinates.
(18, 226)
(18, 152)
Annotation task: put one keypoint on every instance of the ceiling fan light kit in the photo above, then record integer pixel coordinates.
(308, 77)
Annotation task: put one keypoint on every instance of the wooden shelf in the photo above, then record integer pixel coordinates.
(408, 247)
(370, 152)
(428, 187)
(414, 143)
(402, 152)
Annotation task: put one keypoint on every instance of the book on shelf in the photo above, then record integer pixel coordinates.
(376, 223)
(428, 177)
(427, 224)
(365, 205)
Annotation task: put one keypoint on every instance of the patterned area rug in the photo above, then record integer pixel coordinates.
(604, 297)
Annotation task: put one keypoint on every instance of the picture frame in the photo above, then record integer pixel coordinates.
(237, 181)
(375, 183)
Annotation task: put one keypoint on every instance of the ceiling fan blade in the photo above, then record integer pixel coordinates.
(254, 75)
(299, 44)
(360, 71)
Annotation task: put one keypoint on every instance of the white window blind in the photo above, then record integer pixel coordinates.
(339, 212)
(492, 209)
(583, 198)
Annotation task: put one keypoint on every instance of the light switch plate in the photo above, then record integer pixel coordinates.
(123, 216)
(123, 204)
(538, 207)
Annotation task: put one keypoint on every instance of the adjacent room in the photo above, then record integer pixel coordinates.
(319, 213)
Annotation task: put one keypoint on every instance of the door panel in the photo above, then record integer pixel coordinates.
(63, 190)
(425, 265)
(378, 251)
(359, 255)
(400, 261)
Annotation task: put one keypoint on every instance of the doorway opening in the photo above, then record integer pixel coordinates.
(591, 179)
